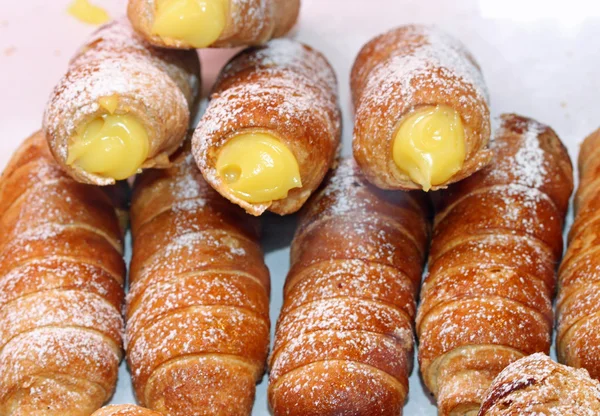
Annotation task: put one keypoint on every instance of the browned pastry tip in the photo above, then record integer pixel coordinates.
(284, 89)
(158, 87)
(487, 300)
(61, 278)
(247, 22)
(125, 410)
(198, 306)
(344, 339)
(404, 70)
(536, 385)
(579, 274)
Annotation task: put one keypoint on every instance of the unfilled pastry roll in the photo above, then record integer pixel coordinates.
(272, 127)
(198, 306)
(578, 307)
(537, 386)
(122, 106)
(61, 278)
(344, 340)
(125, 410)
(487, 300)
(421, 110)
(212, 23)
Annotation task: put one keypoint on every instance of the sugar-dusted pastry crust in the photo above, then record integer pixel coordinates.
(125, 410)
(61, 289)
(579, 274)
(344, 340)
(537, 386)
(198, 306)
(249, 22)
(487, 300)
(404, 69)
(157, 86)
(286, 89)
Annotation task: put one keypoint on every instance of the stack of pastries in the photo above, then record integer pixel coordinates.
(195, 325)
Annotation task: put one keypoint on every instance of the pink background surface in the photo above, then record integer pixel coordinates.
(540, 58)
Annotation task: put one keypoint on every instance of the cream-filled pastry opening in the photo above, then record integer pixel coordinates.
(429, 145)
(112, 145)
(257, 168)
(197, 22)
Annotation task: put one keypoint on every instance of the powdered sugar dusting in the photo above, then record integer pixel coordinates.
(58, 315)
(194, 294)
(496, 244)
(536, 385)
(349, 303)
(283, 87)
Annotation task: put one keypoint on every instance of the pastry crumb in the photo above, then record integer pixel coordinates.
(10, 51)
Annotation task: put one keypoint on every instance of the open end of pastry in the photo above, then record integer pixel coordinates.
(257, 168)
(199, 23)
(112, 145)
(429, 145)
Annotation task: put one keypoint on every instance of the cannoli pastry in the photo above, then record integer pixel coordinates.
(122, 106)
(125, 410)
(537, 386)
(212, 23)
(487, 300)
(579, 274)
(421, 110)
(61, 289)
(272, 127)
(344, 340)
(198, 306)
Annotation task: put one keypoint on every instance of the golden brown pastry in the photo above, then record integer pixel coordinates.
(272, 128)
(487, 300)
(122, 106)
(344, 340)
(537, 386)
(421, 110)
(125, 410)
(61, 289)
(212, 23)
(198, 306)
(578, 307)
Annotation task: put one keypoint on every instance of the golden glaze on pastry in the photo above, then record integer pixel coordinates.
(61, 288)
(198, 308)
(487, 300)
(344, 340)
(122, 106)
(421, 110)
(272, 128)
(579, 274)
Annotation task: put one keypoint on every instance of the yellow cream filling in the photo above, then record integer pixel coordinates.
(86, 12)
(258, 168)
(114, 146)
(429, 145)
(196, 22)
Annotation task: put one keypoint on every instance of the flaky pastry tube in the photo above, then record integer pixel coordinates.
(487, 300)
(61, 289)
(198, 305)
(212, 23)
(577, 305)
(122, 106)
(344, 340)
(536, 385)
(272, 128)
(421, 110)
